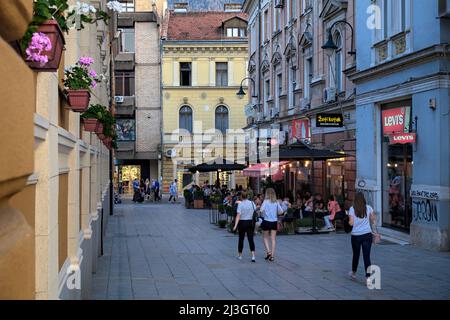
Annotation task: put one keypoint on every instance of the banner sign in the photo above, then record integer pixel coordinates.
(329, 120)
(301, 130)
(396, 120)
(402, 138)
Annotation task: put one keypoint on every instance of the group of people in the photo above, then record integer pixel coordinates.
(361, 218)
(146, 190)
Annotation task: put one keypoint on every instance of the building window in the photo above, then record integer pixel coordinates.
(308, 69)
(126, 129)
(128, 5)
(276, 19)
(279, 88)
(253, 39)
(292, 83)
(127, 40)
(291, 10)
(336, 63)
(124, 84)
(265, 25)
(185, 74)
(221, 74)
(222, 119)
(236, 33)
(266, 96)
(186, 118)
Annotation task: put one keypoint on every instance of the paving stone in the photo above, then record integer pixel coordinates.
(163, 251)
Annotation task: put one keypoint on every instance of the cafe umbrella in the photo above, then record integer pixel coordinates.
(218, 165)
(301, 151)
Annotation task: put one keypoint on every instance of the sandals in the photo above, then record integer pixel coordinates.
(271, 258)
(268, 256)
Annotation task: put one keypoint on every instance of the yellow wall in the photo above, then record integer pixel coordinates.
(203, 107)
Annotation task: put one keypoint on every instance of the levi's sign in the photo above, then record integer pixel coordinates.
(396, 120)
(329, 120)
(402, 138)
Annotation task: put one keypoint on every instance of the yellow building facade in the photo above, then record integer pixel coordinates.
(201, 74)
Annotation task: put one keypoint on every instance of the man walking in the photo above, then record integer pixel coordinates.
(157, 197)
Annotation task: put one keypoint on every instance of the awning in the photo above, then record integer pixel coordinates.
(301, 151)
(262, 169)
(218, 164)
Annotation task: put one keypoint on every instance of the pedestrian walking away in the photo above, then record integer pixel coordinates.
(244, 223)
(173, 190)
(362, 217)
(270, 209)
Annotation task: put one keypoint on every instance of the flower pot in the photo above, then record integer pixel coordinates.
(101, 136)
(78, 99)
(90, 125)
(99, 129)
(198, 204)
(52, 30)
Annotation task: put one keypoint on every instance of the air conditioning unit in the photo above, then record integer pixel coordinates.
(279, 3)
(305, 104)
(118, 99)
(329, 95)
(171, 153)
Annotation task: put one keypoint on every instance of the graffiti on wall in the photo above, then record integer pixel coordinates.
(425, 210)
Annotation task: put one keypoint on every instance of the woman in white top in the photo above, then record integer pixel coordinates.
(271, 210)
(244, 221)
(361, 217)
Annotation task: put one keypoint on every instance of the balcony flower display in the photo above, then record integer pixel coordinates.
(50, 19)
(92, 116)
(79, 80)
(99, 120)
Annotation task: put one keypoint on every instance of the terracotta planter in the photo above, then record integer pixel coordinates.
(90, 125)
(198, 204)
(78, 99)
(99, 129)
(52, 30)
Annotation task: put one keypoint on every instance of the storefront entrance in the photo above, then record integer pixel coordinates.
(126, 175)
(397, 166)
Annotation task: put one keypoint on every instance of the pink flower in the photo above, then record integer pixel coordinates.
(38, 45)
(94, 84)
(86, 61)
(93, 74)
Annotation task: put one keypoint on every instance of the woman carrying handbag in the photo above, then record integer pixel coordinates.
(361, 218)
(270, 209)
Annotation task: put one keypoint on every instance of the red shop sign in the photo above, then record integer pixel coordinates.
(395, 120)
(402, 138)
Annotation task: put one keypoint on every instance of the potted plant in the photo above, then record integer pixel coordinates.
(198, 199)
(221, 208)
(222, 223)
(188, 198)
(78, 80)
(92, 117)
(43, 42)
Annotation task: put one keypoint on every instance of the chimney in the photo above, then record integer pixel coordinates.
(232, 7)
(180, 7)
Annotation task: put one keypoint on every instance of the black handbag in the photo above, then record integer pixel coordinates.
(347, 227)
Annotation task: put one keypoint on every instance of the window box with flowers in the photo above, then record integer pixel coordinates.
(79, 80)
(43, 42)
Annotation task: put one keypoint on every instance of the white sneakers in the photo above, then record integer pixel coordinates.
(352, 275)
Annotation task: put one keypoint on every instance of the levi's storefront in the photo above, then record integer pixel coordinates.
(398, 141)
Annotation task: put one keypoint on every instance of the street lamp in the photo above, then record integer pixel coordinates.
(241, 93)
(330, 47)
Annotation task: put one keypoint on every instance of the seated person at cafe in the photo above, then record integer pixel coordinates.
(335, 212)
(319, 203)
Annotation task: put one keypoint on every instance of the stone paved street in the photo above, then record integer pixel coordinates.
(164, 251)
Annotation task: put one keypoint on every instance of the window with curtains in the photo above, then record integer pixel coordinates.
(307, 78)
(124, 84)
(185, 116)
(276, 19)
(185, 74)
(127, 40)
(128, 5)
(222, 119)
(392, 38)
(221, 74)
(336, 65)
